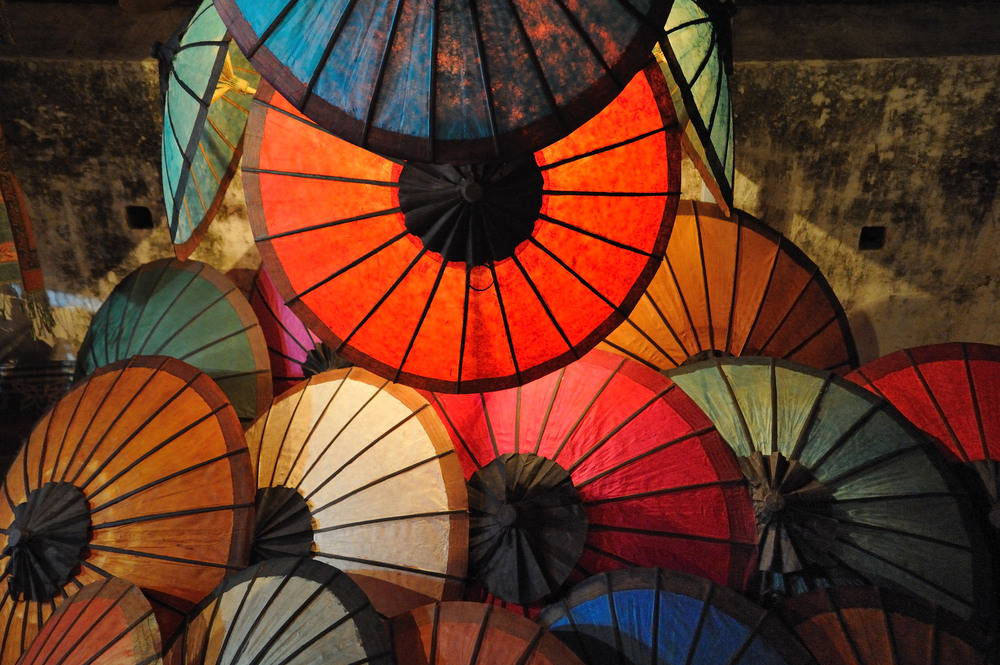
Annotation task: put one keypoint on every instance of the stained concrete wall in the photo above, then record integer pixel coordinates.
(824, 147)
(84, 138)
(913, 145)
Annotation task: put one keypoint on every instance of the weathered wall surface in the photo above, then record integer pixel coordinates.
(825, 148)
(84, 138)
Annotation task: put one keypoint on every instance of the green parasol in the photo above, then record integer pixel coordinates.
(845, 489)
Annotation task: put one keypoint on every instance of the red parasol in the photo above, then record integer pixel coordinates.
(658, 485)
(462, 279)
(951, 392)
(473, 633)
(141, 472)
(108, 622)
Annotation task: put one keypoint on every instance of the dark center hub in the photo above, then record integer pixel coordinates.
(44, 542)
(794, 523)
(282, 524)
(474, 214)
(774, 502)
(527, 526)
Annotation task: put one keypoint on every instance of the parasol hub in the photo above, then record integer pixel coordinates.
(472, 191)
(506, 516)
(283, 524)
(542, 526)
(14, 536)
(45, 541)
(476, 214)
(794, 525)
(774, 502)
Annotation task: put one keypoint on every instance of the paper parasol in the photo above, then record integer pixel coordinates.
(844, 487)
(872, 626)
(108, 622)
(657, 484)
(951, 392)
(482, 81)
(472, 633)
(293, 351)
(140, 472)
(462, 279)
(695, 54)
(731, 286)
(207, 86)
(647, 615)
(293, 610)
(360, 473)
(190, 311)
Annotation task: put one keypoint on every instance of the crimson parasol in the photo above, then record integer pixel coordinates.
(600, 465)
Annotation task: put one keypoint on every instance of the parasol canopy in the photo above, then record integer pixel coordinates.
(732, 286)
(476, 82)
(950, 391)
(872, 626)
(695, 55)
(645, 615)
(360, 473)
(190, 311)
(843, 485)
(283, 611)
(616, 441)
(207, 87)
(103, 488)
(293, 351)
(462, 279)
(471, 633)
(108, 622)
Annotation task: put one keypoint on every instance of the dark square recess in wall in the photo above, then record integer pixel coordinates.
(872, 237)
(138, 217)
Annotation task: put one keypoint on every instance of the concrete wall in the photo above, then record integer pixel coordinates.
(827, 147)
(824, 147)
(84, 136)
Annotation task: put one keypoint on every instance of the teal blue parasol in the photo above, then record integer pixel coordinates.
(207, 86)
(695, 56)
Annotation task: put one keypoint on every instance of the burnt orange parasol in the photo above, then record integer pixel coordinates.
(732, 286)
(141, 472)
(872, 626)
(473, 633)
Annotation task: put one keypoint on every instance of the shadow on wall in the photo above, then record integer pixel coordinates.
(910, 145)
